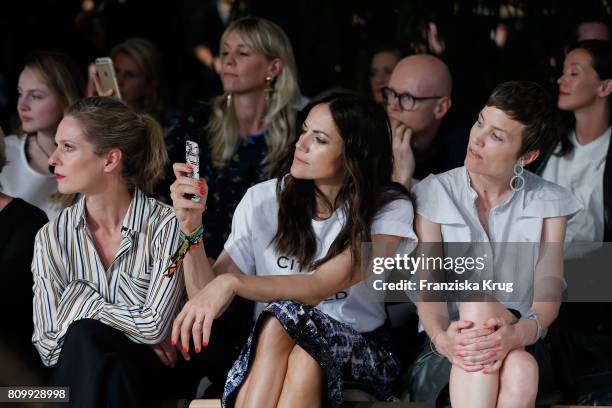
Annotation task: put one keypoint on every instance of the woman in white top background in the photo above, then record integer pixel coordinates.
(296, 242)
(581, 162)
(493, 200)
(48, 84)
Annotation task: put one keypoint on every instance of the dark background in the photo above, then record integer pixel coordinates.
(332, 40)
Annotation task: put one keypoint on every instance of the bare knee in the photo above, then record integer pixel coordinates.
(519, 376)
(479, 312)
(274, 337)
(303, 369)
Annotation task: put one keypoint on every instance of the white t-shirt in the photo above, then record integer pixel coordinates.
(255, 224)
(19, 179)
(448, 199)
(582, 173)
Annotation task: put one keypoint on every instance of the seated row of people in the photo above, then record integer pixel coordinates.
(103, 280)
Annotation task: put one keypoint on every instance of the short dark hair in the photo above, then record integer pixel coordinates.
(530, 104)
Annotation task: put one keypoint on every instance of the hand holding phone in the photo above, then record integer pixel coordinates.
(192, 158)
(107, 78)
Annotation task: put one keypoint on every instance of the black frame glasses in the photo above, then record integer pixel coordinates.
(406, 101)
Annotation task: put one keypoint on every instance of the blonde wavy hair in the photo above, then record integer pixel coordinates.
(267, 38)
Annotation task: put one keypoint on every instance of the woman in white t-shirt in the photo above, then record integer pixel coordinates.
(580, 161)
(48, 84)
(493, 201)
(296, 243)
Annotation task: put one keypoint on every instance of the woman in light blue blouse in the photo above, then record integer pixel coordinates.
(492, 200)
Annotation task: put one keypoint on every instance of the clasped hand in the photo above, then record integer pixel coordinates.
(477, 348)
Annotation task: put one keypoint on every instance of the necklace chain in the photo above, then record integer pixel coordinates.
(40, 147)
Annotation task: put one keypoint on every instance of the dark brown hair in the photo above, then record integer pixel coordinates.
(601, 61)
(530, 104)
(366, 189)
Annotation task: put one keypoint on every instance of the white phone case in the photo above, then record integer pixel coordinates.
(192, 158)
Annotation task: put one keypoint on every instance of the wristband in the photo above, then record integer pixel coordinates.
(188, 242)
(533, 316)
(433, 346)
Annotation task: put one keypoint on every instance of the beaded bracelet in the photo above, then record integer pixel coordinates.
(188, 242)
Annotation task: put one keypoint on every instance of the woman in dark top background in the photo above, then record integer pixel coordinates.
(19, 223)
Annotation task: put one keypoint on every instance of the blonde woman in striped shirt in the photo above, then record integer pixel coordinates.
(101, 291)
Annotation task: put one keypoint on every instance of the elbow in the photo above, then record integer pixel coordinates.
(314, 300)
(46, 357)
(554, 313)
(327, 294)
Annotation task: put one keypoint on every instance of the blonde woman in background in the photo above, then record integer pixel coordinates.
(48, 84)
(244, 132)
(139, 70)
(138, 65)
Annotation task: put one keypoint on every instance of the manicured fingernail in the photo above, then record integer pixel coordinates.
(197, 350)
(204, 343)
(185, 349)
(173, 342)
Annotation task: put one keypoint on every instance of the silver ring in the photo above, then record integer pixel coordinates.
(197, 323)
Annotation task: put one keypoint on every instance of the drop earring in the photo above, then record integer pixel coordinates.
(517, 182)
(269, 89)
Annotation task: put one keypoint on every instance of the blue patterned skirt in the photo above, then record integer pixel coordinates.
(349, 358)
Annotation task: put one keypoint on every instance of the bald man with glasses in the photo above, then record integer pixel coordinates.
(417, 99)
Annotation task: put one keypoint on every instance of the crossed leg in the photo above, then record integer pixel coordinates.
(282, 373)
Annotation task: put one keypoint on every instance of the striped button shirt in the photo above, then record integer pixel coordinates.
(133, 295)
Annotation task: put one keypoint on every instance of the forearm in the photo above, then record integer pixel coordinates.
(148, 322)
(402, 177)
(434, 317)
(526, 329)
(197, 269)
(53, 315)
(144, 323)
(308, 289)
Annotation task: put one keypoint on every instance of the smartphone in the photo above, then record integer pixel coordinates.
(192, 158)
(106, 73)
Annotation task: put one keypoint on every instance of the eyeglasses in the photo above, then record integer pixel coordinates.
(406, 101)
